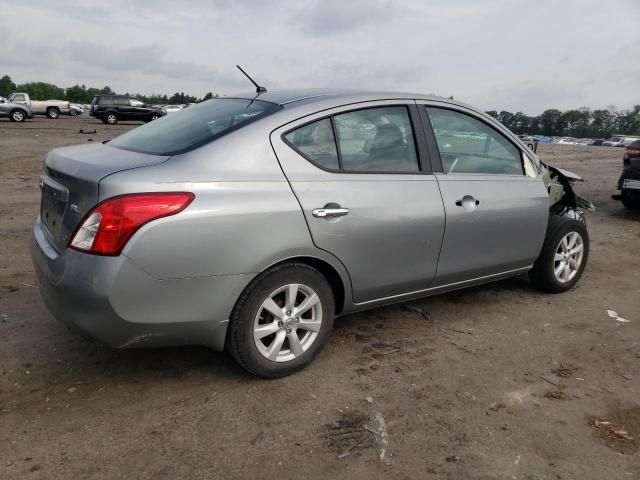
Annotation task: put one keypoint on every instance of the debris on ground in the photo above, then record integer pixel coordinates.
(452, 458)
(564, 371)
(348, 435)
(379, 430)
(619, 429)
(552, 379)
(558, 394)
(418, 310)
(614, 314)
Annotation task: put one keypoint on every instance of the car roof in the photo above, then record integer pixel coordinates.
(295, 97)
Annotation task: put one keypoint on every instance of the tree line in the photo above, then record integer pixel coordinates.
(83, 94)
(581, 123)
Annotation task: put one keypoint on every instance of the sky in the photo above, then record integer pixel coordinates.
(516, 55)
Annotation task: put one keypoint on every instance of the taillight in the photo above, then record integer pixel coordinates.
(633, 153)
(108, 227)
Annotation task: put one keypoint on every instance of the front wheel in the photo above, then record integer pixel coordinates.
(53, 113)
(18, 115)
(281, 321)
(563, 257)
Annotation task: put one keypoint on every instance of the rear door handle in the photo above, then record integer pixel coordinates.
(333, 212)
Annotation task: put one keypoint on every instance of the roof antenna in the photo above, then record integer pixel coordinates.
(259, 89)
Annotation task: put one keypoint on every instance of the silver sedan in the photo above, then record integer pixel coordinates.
(250, 222)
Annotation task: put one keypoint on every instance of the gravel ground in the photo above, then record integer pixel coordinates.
(493, 382)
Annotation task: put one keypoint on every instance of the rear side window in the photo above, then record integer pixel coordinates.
(194, 127)
(106, 101)
(317, 143)
(122, 101)
(378, 139)
(468, 145)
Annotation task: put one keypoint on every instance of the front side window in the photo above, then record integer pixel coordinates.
(468, 145)
(18, 98)
(316, 142)
(376, 139)
(194, 127)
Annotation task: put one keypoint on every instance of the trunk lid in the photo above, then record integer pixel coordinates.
(70, 182)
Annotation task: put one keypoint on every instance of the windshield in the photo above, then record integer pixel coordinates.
(615, 139)
(195, 126)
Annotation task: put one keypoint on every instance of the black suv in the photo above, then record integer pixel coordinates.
(112, 108)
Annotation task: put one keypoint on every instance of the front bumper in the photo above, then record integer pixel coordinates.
(114, 301)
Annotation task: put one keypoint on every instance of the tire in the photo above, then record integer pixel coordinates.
(544, 274)
(72, 113)
(631, 199)
(53, 113)
(18, 115)
(250, 314)
(153, 116)
(111, 118)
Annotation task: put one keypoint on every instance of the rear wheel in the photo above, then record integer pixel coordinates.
(153, 116)
(111, 118)
(18, 115)
(281, 321)
(563, 257)
(53, 112)
(631, 199)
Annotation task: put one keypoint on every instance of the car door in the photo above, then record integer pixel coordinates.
(124, 108)
(496, 204)
(138, 109)
(368, 196)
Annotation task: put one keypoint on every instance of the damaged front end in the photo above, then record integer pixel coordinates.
(563, 200)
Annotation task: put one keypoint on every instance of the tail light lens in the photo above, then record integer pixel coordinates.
(633, 153)
(108, 227)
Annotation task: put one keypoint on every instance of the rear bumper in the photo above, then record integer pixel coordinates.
(115, 302)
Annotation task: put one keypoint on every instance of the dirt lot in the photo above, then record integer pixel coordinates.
(493, 382)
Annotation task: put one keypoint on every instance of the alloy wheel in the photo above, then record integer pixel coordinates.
(17, 116)
(568, 257)
(287, 322)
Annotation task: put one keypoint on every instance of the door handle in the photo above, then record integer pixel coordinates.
(468, 203)
(333, 212)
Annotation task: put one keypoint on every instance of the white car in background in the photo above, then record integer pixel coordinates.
(619, 141)
(172, 108)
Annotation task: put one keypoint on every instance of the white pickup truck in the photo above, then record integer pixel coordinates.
(50, 108)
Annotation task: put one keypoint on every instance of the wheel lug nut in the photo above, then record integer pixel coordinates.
(288, 312)
(280, 323)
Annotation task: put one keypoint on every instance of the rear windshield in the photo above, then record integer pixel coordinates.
(192, 127)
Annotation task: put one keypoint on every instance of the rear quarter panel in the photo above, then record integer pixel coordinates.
(244, 217)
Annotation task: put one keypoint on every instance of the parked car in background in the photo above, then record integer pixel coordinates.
(629, 182)
(566, 141)
(172, 108)
(619, 141)
(76, 109)
(14, 111)
(113, 108)
(248, 223)
(50, 108)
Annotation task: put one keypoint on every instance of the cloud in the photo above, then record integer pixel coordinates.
(495, 54)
